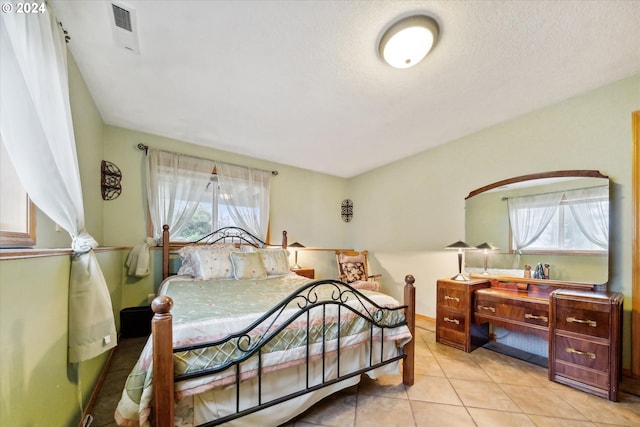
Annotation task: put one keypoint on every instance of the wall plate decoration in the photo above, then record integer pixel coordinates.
(347, 210)
(110, 182)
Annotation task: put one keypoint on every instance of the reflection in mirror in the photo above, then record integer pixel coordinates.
(555, 218)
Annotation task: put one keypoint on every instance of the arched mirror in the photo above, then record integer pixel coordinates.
(557, 223)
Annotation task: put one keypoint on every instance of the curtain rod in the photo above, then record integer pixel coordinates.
(144, 148)
(568, 190)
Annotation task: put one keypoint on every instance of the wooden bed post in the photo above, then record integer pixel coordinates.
(165, 251)
(163, 385)
(410, 314)
(284, 239)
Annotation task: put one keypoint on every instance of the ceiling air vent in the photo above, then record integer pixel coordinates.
(122, 17)
(124, 27)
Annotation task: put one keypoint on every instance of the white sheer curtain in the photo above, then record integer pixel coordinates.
(176, 184)
(37, 130)
(246, 193)
(590, 208)
(529, 215)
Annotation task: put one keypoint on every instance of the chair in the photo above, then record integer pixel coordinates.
(353, 269)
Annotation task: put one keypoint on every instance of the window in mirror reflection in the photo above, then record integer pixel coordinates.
(567, 221)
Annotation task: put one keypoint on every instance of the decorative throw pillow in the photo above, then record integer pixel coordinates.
(248, 265)
(276, 261)
(353, 271)
(213, 263)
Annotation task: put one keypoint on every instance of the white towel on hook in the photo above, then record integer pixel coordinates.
(138, 259)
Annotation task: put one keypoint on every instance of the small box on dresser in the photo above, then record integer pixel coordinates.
(585, 340)
(454, 322)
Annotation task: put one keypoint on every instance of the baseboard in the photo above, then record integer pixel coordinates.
(423, 317)
(96, 390)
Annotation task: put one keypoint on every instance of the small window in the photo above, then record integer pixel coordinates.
(17, 215)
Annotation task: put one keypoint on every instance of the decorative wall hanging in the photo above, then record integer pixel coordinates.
(347, 210)
(110, 183)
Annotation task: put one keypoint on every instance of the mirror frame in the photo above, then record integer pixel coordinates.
(582, 173)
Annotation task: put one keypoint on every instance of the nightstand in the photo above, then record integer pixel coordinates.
(305, 272)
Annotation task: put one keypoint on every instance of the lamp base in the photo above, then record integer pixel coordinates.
(460, 277)
(296, 267)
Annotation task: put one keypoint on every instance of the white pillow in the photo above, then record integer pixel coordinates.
(248, 265)
(276, 261)
(213, 263)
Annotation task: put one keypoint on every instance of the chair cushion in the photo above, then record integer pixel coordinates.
(353, 271)
(369, 285)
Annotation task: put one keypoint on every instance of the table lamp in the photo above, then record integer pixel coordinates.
(296, 245)
(460, 246)
(486, 247)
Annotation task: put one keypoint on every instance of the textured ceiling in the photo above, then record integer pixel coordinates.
(301, 82)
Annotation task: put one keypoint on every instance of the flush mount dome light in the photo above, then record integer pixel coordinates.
(409, 40)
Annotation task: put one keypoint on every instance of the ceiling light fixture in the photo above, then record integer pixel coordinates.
(409, 40)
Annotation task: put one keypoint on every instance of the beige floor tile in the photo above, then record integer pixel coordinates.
(428, 365)
(542, 421)
(507, 373)
(463, 369)
(383, 411)
(482, 394)
(386, 385)
(491, 418)
(433, 389)
(338, 410)
(599, 410)
(442, 351)
(429, 414)
(538, 401)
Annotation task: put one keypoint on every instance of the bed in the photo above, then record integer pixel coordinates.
(258, 345)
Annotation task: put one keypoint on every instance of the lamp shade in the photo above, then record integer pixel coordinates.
(487, 246)
(408, 41)
(458, 245)
(296, 245)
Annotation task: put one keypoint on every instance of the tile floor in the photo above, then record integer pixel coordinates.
(452, 388)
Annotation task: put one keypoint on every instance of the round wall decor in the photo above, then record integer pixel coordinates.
(347, 210)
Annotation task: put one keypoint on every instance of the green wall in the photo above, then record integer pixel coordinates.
(419, 202)
(304, 203)
(37, 385)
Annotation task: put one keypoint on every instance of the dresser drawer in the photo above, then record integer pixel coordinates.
(511, 309)
(451, 320)
(452, 297)
(581, 320)
(587, 354)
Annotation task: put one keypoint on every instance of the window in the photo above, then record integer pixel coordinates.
(211, 214)
(17, 213)
(197, 196)
(577, 221)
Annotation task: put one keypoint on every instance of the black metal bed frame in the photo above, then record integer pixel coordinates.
(273, 323)
(306, 298)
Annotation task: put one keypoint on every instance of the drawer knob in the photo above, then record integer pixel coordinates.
(581, 353)
(533, 316)
(592, 323)
(484, 307)
(447, 297)
(456, 321)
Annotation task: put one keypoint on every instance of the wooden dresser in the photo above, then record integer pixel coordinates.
(585, 342)
(454, 317)
(582, 326)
